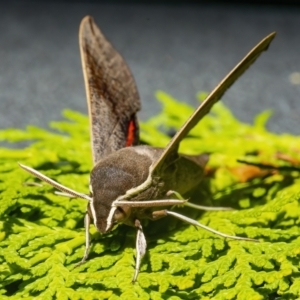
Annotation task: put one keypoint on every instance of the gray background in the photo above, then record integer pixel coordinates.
(181, 49)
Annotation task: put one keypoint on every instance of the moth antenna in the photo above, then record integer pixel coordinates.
(64, 194)
(149, 203)
(55, 184)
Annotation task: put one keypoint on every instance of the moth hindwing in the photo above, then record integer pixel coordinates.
(128, 182)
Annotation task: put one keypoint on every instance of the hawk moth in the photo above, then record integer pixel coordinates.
(131, 182)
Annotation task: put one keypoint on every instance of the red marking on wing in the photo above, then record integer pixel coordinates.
(130, 133)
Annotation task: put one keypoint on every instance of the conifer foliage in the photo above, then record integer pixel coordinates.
(250, 169)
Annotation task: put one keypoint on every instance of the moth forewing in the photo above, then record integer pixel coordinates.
(112, 96)
(212, 98)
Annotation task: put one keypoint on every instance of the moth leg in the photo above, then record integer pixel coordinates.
(162, 213)
(178, 195)
(141, 245)
(87, 222)
(200, 207)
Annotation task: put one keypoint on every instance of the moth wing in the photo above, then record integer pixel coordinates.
(111, 91)
(170, 152)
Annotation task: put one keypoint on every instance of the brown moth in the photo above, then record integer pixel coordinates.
(129, 182)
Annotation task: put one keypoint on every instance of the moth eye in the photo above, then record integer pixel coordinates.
(119, 214)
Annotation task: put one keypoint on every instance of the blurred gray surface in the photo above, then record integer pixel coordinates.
(181, 49)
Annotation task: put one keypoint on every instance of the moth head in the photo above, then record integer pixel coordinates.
(111, 179)
(107, 185)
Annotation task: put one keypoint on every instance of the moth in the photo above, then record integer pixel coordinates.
(131, 182)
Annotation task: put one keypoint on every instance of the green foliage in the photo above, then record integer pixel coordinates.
(42, 235)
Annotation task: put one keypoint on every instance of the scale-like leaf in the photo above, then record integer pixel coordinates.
(42, 235)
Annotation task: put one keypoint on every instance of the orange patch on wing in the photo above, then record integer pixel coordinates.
(130, 133)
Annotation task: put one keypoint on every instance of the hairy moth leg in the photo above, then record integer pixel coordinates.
(87, 223)
(141, 246)
(200, 207)
(163, 213)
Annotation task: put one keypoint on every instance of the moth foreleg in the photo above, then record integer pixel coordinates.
(87, 222)
(200, 207)
(141, 245)
(162, 213)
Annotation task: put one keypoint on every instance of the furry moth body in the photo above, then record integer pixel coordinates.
(129, 182)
